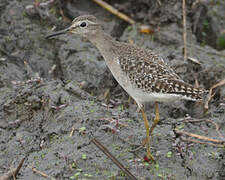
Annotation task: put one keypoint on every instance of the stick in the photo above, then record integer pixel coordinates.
(199, 136)
(13, 172)
(185, 30)
(72, 131)
(211, 94)
(207, 120)
(200, 142)
(107, 153)
(114, 11)
(41, 173)
(217, 129)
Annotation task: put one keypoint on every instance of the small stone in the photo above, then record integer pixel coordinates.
(84, 84)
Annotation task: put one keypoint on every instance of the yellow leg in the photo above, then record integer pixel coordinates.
(156, 120)
(149, 155)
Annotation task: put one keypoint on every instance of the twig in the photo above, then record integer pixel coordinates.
(159, 2)
(194, 60)
(41, 173)
(197, 2)
(116, 122)
(140, 146)
(210, 121)
(57, 108)
(217, 129)
(198, 136)
(184, 30)
(107, 153)
(211, 94)
(72, 131)
(200, 142)
(53, 68)
(114, 11)
(13, 172)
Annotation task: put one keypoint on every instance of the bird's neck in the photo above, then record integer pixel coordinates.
(104, 42)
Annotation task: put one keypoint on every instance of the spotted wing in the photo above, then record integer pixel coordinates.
(150, 73)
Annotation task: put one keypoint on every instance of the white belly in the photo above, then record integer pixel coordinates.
(137, 94)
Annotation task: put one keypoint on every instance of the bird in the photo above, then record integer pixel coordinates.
(142, 73)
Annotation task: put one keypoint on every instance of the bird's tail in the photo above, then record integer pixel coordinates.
(188, 91)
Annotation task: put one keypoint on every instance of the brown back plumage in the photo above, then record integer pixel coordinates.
(150, 73)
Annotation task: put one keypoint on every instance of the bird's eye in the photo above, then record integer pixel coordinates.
(83, 24)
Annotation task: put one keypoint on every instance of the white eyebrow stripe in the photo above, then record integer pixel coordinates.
(79, 22)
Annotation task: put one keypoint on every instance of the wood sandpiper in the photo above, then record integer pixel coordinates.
(142, 74)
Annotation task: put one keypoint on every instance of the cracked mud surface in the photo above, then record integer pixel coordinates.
(50, 87)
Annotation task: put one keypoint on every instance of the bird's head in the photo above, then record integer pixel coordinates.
(85, 25)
